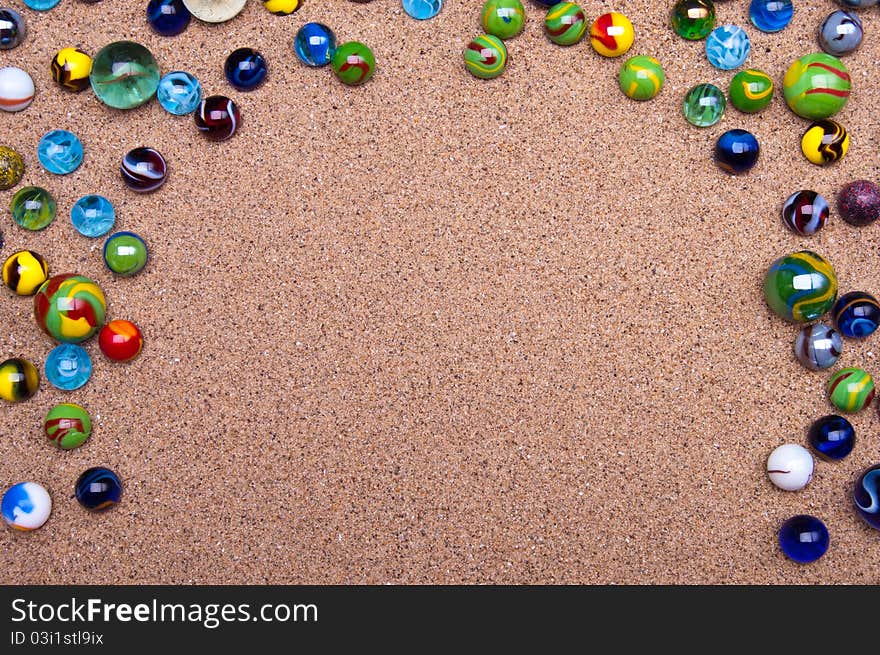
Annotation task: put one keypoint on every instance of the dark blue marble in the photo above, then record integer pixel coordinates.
(832, 437)
(168, 17)
(803, 538)
(736, 151)
(98, 489)
(245, 69)
(866, 496)
(857, 314)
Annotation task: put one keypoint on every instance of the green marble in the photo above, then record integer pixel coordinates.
(704, 105)
(751, 90)
(693, 19)
(816, 86)
(124, 75)
(33, 208)
(801, 287)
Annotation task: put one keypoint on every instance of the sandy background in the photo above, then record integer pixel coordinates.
(434, 329)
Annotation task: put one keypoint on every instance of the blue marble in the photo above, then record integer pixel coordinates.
(736, 151)
(866, 496)
(93, 216)
(727, 47)
(422, 9)
(60, 152)
(803, 538)
(26, 506)
(315, 44)
(98, 489)
(771, 15)
(832, 437)
(68, 367)
(168, 17)
(245, 69)
(41, 5)
(856, 314)
(179, 93)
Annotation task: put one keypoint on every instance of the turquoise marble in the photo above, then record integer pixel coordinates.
(68, 367)
(93, 216)
(60, 152)
(727, 47)
(179, 93)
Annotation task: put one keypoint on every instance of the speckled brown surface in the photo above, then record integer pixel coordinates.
(435, 329)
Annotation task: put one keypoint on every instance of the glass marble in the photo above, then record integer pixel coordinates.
(832, 437)
(503, 18)
(143, 170)
(281, 7)
(825, 142)
(790, 467)
(179, 93)
(422, 9)
(68, 367)
(800, 287)
(71, 68)
(245, 69)
(120, 340)
(214, 11)
(11, 168)
(771, 15)
(60, 152)
(856, 314)
(858, 203)
(70, 308)
(612, 34)
(26, 506)
(217, 118)
(727, 47)
(704, 105)
(818, 346)
(641, 77)
(816, 86)
(693, 19)
(24, 271)
(93, 216)
(12, 29)
(736, 151)
(16, 89)
(67, 425)
(751, 90)
(168, 17)
(124, 75)
(841, 33)
(353, 63)
(485, 57)
(565, 23)
(19, 380)
(866, 496)
(125, 253)
(805, 212)
(803, 538)
(851, 389)
(41, 5)
(315, 44)
(33, 208)
(98, 489)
